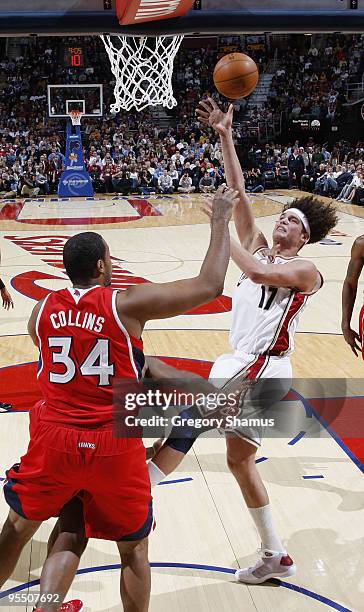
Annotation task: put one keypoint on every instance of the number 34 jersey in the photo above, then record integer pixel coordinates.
(264, 319)
(84, 349)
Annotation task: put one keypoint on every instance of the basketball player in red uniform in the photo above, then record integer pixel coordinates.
(274, 287)
(89, 337)
(350, 288)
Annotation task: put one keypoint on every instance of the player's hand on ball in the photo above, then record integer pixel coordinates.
(353, 339)
(7, 301)
(223, 203)
(210, 114)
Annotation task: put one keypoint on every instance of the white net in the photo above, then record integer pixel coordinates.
(143, 70)
(75, 117)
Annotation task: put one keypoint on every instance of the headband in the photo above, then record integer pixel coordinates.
(301, 216)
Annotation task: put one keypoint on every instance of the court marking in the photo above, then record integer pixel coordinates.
(207, 568)
(296, 438)
(313, 477)
(343, 446)
(177, 481)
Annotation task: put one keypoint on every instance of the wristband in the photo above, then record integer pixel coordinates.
(2, 286)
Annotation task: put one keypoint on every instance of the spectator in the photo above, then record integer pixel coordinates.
(41, 181)
(254, 181)
(6, 186)
(185, 184)
(326, 182)
(310, 178)
(107, 173)
(207, 183)
(146, 183)
(358, 197)
(165, 183)
(348, 192)
(121, 180)
(29, 187)
(174, 176)
(95, 176)
(296, 167)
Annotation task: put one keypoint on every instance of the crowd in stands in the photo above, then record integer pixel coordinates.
(335, 171)
(128, 153)
(312, 81)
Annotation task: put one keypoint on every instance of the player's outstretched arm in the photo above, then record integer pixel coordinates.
(349, 291)
(157, 369)
(249, 234)
(162, 300)
(299, 274)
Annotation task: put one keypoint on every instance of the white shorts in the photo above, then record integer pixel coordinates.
(253, 367)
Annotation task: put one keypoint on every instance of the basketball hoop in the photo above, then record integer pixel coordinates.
(143, 68)
(75, 117)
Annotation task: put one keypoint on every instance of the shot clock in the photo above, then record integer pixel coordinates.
(73, 56)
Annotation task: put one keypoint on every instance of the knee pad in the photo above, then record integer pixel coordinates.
(183, 445)
(182, 437)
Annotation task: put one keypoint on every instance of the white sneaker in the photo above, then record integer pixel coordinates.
(271, 565)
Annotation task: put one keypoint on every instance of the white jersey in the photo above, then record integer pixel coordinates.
(264, 319)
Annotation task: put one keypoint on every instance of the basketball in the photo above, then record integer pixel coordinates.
(236, 75)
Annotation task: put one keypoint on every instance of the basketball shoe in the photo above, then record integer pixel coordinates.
(75, 605)
(271, 565)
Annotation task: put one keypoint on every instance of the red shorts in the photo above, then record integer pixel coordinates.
(111, 473)
(35, 414)
(361, 329)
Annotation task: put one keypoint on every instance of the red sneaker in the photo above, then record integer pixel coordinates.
(75, 605)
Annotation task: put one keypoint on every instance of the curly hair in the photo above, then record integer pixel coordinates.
(321, 217)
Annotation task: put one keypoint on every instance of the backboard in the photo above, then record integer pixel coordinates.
(83, 17)
(86, 98)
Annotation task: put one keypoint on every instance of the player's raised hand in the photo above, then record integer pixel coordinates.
(206, 207)
(6, 298)
(223, 203)
(209, 113)
(353, 339)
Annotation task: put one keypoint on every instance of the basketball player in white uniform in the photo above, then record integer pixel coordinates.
(273, 289)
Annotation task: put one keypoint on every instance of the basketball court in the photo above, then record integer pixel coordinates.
(204, 531)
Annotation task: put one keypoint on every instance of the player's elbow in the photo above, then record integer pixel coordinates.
(214, 290)
(217, 290)
(257, 277)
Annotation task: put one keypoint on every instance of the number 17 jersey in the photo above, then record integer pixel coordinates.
(84, 350)
(264, 319)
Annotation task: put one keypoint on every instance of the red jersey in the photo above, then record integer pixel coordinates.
(84, 349)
